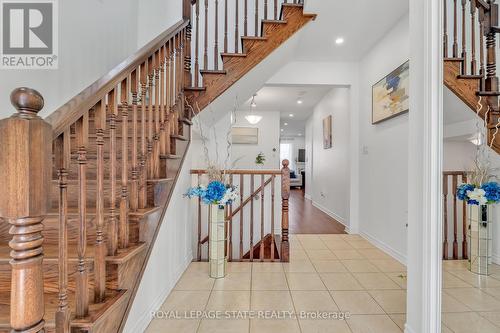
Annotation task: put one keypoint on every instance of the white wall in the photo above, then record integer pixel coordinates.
(458, 155)
(154, 17)
(331, 167)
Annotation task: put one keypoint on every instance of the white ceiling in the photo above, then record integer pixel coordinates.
(284, 99)
(360, 22)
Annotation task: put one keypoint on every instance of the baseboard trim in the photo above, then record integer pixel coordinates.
(328, 212)
(408, 329)
(495, 258)
(143, 322)
(307, 196)
(384, 247)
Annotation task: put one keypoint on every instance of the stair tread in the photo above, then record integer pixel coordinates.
(96, 310)
(453, 59)
(213, 71)
(254, 38)
(195, 88)
(171, 157)
(233, 54)
(472, 77)
(274, 21)
(488, 93)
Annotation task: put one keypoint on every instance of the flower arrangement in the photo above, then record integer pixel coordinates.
(487, 193)
(215, 193)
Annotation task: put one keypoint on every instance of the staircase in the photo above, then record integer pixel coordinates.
(469, 46)
(85, 190)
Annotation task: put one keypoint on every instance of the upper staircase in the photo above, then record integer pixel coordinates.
(469, 46)
(84, 191)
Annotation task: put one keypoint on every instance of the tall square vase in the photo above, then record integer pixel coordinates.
(217, 240)
(479, 237)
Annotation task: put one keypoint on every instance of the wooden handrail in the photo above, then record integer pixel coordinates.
(71, 111)
(239, 172)
(247, 200)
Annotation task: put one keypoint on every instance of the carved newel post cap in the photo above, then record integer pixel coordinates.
(26, 100)
(285, 163)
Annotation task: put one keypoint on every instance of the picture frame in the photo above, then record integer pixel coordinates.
(327, 132)
(390, 94)
(245, 135)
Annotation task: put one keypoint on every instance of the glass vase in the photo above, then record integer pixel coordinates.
(479, 237)
(217, 240)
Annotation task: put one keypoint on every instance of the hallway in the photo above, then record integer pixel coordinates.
(307, 219)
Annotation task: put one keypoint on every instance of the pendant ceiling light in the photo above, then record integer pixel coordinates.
(252, 118)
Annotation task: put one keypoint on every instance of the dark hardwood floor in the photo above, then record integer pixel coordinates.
(307, 219)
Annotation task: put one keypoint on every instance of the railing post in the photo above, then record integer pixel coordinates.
(491, 83)
(285, 195)
(25, 165)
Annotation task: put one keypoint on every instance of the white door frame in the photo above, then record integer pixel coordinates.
(425, 168)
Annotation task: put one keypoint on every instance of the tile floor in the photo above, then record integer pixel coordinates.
(329, 274)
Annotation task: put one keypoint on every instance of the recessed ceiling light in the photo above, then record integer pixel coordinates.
(286, 124)
(300, 134)
(291, 115)
(339, 41)
(282, 130)
(299, 101)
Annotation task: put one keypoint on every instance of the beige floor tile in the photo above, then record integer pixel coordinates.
(271, 300)
(173, 325)
(273, 326)
(373, 324)
(374, 253)
(338, 245)
(468, 322)
(340, 281)
(310, 301)
(311, 244)
(400, 320)
(361, 244)
(269, 281)
(450, 304)
(298, 255)
(445, 329)
(399, 277)
(221, 300)
(329, 266)
(304, 281)
(356, 302)
(239, 267)
(234, 281)
(195, 281)
(180, 300)
(197, 267)
(388, 265)
(375, 281)
(299, 266)
(451, 281)
(309, 237)
(331, 237)
(360, 266)
(258, 267)
(495, 292)
(348, 254)
(392, 301)
(493, 317)
(324, 326)
(477, 280)
(474, 299)
(455, 265)
(224, 326)
(320, 255)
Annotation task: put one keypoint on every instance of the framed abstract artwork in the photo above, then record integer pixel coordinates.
(245, 135)
(390, 95)
(327, 132)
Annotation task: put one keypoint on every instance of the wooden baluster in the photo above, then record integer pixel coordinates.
(151, 76)
(163, 102)
(187, 82)
(123, 227)
(265, 9)
(225, 26)
(170, 84)
(262, 189)
(256, 32)
(445, 220)
(245, 19)
(455, 211)
(216, 44)
(62, 154)
(24, 203)
(242, 178)
(464, 45)
(252, 190)
(236, 27)
(183, 77)
(491, 83)
(230, 227)
(197, 47)
(473, 36)
(199, 223)
(481, 47)
(273, 178)
(275, 9)
(285, 195)
(134, 190)
(82, 283)
(455, 29)
(100, 245)
(143, 160)
(464, 223)
(445, 32)
(156, 130)
(177, 85)
(112, 223)
(205, 52)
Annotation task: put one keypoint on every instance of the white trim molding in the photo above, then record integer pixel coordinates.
(425, 167)
(334, 216)
(384, 247)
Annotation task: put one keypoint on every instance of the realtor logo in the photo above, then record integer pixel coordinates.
(29, 34)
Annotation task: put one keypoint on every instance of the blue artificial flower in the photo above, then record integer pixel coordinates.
(492, 191)
(215, 192)
(462, 192)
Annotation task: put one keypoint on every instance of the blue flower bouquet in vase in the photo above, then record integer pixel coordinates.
(479, 198)
(216, 195)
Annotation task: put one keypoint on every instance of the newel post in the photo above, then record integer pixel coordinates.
(285, 195)
(25, 169)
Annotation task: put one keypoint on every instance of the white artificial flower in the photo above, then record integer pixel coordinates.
(478, 195)
(230, 195)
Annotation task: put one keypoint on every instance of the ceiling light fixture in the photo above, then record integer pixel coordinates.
(300, 134)
(253, 119)
(291, 115)
(282, 130)
(286, 124)
(253, 104)
(339, 41)
(299, 101)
